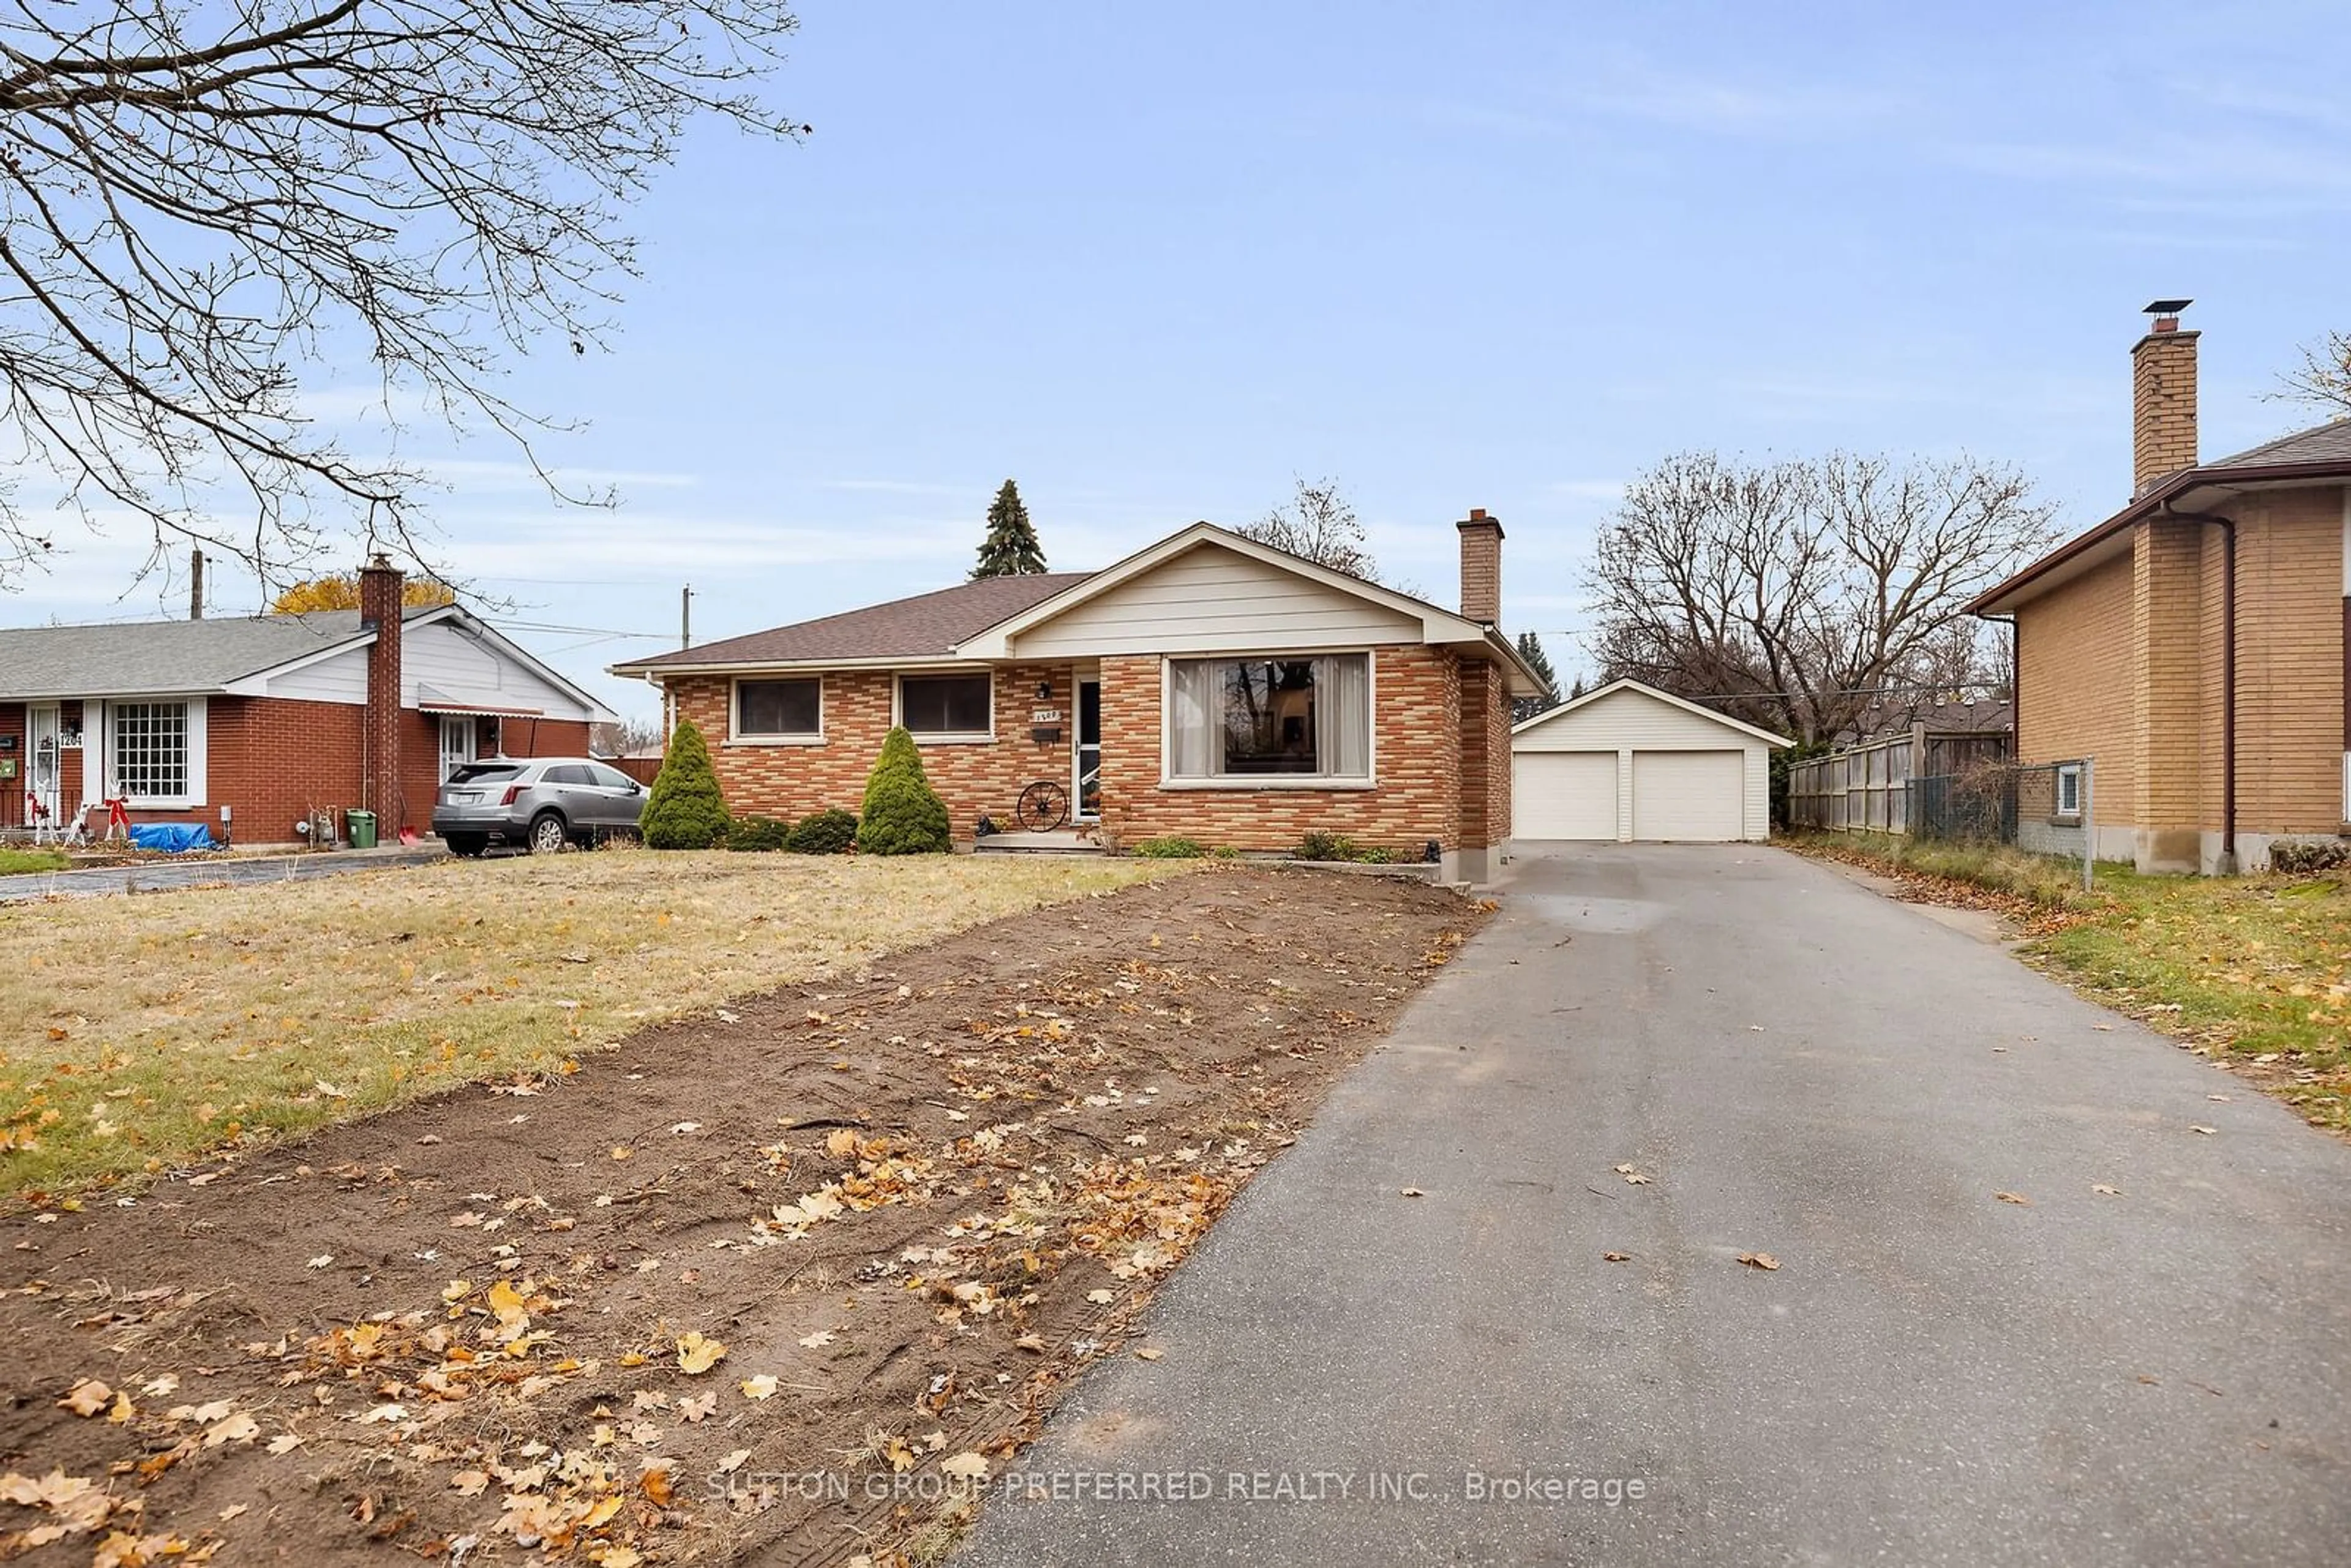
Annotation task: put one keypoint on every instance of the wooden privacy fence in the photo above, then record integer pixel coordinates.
(1867, 788)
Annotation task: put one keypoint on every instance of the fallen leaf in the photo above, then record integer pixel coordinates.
(286, 1443)
(1616, 1256)
(231, 1511)
(2208, 1132)
(384, 1413)
(734, 1461)
(1758, 1260)
(693, 1411)
(469, 1483)
(760, 1388)
(2223, 1098)
(1099, 1298)
(697, 1354)
(2015, 1198)
(1029, 1341)
(967, 1466)
(817, 1339)
(86, 1397)
(1149, 1352)
(1411, 1192)
(659, 1489)
(2099, 1187)
(321, 1261)
(237, 1427)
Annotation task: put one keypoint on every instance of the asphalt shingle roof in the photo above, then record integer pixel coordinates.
(928, 626)
(2329, 443)
(161, 656)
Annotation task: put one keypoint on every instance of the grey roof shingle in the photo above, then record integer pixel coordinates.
(161, 656)
(2329, 442)
(928, 626)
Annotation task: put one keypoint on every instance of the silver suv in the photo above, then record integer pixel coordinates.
(542, 803)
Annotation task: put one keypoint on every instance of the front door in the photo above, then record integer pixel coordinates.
(43, 734)
(456, 743)
(1088, 752)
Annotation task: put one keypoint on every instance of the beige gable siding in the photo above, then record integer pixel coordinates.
(2075, 694)
(1212, 599)
(1627, 719)
(439, 655)
(341, 679)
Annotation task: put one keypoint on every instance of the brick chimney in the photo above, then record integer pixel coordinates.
(2163, 398)
(1482, 567)
(380, 609)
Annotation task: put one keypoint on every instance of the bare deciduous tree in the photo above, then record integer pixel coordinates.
(1802, 590)
(203, 197)
(1318, 523)
(2323, 377)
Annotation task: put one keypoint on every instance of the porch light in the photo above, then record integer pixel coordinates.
(1044, 690)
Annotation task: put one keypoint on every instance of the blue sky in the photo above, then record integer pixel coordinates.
(1154, 262)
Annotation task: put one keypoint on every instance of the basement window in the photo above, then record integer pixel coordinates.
(2069, 790)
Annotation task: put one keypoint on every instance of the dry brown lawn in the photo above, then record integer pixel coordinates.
(153, 1029)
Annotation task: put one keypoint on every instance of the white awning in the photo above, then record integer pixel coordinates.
(432, 699)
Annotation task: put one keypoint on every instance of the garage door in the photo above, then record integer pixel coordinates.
(1688, 795)
(1563, 795)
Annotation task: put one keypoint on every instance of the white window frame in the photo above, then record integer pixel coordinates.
(2069, 774)
(194, 773)
(735, 735)
(944, 737)
(1335, 783)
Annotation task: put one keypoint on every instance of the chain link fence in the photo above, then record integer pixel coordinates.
(2043, 808)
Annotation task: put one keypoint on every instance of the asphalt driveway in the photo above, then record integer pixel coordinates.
(2157, 1374)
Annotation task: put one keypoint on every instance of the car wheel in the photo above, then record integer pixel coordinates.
(466, 845)
(548, 833)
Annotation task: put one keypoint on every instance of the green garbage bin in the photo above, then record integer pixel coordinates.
(360, 828)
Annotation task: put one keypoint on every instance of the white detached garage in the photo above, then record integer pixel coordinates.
(1630, 762)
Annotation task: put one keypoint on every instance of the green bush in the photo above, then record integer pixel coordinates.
(826, 832)
(1169, 848)
(685, 811)
(1319, 845)
(755, 835)
(903, 815)
(1224, 853)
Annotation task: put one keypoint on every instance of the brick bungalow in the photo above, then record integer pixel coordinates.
(251, 725)
(2194, 644)
(1208, 686)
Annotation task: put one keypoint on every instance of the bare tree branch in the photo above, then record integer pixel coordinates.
(1318, 523)
(1810, 586)
(2323, 377)
(202, 199)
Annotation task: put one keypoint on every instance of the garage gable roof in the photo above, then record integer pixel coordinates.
(1752, 732)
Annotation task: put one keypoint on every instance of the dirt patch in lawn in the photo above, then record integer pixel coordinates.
(788, 1280)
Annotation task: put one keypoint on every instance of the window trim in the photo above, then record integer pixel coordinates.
(1332, 783)
(2070, 772)
(194, 773)
(898, 679)
(735, 732)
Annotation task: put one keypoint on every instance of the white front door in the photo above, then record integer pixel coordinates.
(43, 734)
(1085, 754)
(456, 743)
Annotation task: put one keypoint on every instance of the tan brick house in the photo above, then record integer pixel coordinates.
(250, 724)
(1208, 686)
(2193, 643)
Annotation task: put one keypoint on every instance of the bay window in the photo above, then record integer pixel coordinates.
(1270, 721)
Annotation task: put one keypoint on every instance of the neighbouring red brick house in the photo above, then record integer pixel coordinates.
(1208, 686)
(252, 726)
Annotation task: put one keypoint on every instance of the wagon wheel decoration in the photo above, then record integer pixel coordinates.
(1043, 807)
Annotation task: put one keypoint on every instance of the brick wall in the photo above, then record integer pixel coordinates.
(2163, 406)
(2073, 682)
(1417, 696)
(1486, 762)
(791, 780)
(274, 762)
(2167, 664)
(2290, 662)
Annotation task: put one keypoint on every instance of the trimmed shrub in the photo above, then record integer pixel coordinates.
(1169, 848)
(685, 811)
(755, 835)
(827, 833)
(903, 815)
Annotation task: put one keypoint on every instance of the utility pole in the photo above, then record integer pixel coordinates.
(195, 584)
(685, 616)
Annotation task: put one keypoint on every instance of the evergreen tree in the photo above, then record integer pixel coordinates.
(685, 811)
(1011, 549)
(1530, 649)
(903, 815)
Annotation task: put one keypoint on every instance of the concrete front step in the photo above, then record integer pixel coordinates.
(1064, 842)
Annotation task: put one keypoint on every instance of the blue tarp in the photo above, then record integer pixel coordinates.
(171, 837)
